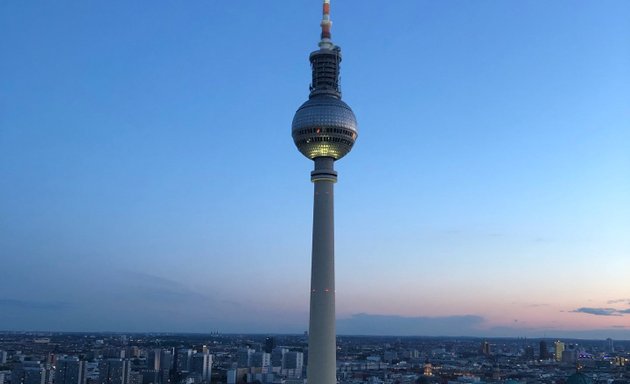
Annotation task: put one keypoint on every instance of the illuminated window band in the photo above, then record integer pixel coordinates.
(324, 127)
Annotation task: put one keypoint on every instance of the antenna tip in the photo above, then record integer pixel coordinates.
(326, 24)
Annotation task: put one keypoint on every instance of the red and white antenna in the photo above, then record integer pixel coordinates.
(326, 42)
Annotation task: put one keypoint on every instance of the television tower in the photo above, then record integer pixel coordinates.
(324, 129)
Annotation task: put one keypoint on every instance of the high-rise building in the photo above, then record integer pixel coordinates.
(324, 130)
(293, 364)
(528, 354)
(558, 347)
(231, 376)
(427, 368)
(270, 344)
(244, 357)
(34, 375)
(201, 363)
(543, 351)
(30, 372)
(166, 364)
(51, 358)
(150, 376)
(135, 377)
(260, 360)
(133, 351)
(70, 370)
(183, 360)
(570, 355)
(485, 348)
(3, 357)
(153, 359)
(610, 346)
(277, 356)
(114, 371)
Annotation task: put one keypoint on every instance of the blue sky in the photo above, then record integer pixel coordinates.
(148, 180)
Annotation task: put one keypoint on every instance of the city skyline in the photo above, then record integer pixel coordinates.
(490, 194)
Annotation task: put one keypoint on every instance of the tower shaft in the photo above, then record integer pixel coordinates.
(324, 129)
(322, 350)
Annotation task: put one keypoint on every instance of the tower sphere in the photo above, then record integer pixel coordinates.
(324, 127)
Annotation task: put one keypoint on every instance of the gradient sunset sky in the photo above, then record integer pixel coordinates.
(149, 182)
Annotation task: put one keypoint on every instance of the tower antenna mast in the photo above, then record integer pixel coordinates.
(326, 24)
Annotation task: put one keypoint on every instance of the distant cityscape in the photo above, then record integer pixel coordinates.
(106, 358)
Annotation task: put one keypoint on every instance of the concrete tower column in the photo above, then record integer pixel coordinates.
(324, 129)
(322, 351)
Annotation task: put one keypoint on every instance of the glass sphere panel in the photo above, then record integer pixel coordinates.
(324, 127)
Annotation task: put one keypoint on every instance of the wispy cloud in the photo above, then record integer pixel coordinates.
(30, 304)
(600, 311)
(617, 301)
(367, 324)
(157, 289)
(463, 325)
(530, 305)
(232, 303)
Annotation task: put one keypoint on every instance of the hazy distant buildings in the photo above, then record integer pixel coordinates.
(362, 360)
(114, 353)
(252, 365)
